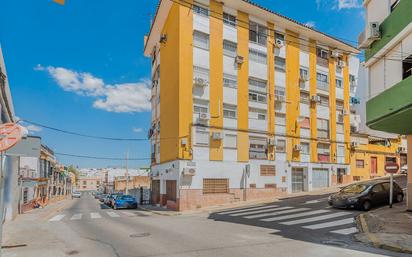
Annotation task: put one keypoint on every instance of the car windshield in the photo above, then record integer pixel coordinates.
(356, 188)
(127, 197)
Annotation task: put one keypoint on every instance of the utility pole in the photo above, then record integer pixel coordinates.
(127, 174)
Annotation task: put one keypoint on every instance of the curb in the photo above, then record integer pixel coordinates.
(363, 226)
(161, 213)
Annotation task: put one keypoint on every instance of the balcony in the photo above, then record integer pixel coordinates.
(391, 110)
(391, 26)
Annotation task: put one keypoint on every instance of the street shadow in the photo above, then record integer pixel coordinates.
(104, 206)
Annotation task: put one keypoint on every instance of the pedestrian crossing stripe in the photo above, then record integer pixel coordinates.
(331, 224)
(290, 210)
(248, 209)
(296, 215)
(77, 216)
(95, 215)
(315, 219)
(346, 231)
(113, 214)
(57, 218)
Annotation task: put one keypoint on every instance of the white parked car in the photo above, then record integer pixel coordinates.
(76, 195)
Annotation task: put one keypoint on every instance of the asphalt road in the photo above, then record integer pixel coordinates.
(300, 226)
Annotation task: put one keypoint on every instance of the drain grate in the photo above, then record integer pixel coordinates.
(145, 234)
(13, 246)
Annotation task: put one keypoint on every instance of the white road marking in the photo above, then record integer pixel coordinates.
(313, 201)
(268, 213)
(128, 214)
(248, 209)
(113, 214)
(318, 218)
(95, 215)
(57, 217)
(277, 213)
(331, 224)
(77, 216)
(297, 215)
(346, 231)
(253, 212)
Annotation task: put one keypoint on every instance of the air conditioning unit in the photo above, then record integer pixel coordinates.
(335, 54)
(315, 99)
(184, 142)
(374, 32)
(217, 136)
(189, 172)
(271, 141)
(297, 148)
(279, 43)
(345, 112)
(200, 82)
(401, 149)
(354, 144)
(341, 64)
(279, 98)
(239, 59)
(204, 116)
(163, 38)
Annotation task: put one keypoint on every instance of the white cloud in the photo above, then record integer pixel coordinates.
(128, 97)
(310, 24)
(137, 130)
(33, 128)
(349, 4)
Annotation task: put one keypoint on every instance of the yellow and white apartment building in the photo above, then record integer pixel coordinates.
(246, 104)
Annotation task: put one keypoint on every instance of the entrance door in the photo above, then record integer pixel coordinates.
(155, 191)
(297, 180)
(374, 166)
(171, 190)
(341, 173)
(320, 178)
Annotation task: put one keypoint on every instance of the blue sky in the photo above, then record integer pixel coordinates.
(80, 67)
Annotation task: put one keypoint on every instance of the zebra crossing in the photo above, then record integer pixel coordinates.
(95, 215)
(310, 219)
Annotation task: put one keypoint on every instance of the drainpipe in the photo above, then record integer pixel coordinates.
(409, 174)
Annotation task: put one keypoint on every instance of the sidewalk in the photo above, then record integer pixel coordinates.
(386, 228)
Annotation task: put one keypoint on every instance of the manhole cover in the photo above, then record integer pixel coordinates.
(139, 235)
(335, 243)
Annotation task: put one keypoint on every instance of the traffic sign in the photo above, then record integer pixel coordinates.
(10, 135)
(391, 167)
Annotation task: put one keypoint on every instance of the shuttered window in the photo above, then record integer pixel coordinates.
(267, 170)
(215, 185)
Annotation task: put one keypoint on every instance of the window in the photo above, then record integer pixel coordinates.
(230, 141)
(322, 53)
(352, 81)
(377, 188)
(229, 80)
(280, 64)
(229, 111)
(202, 137)
(324, 101)
(257, 97)
(304, 97)
(305, 148)
(322, 81)
(279, 36)
(281, 145)
(257, 56)
(257, 148)
(201, 73)
(215, 185)
(305, 123)
(304, 73)
(407, 67)
(339, 105)
(201, 40)
(257, 33)
(360, 164)
(339, 83)
(280, 91)
(267, 170)
(323, 128)
(229, 19)
(340, 128)
(270, 185)
(258, 85)
(323, 152)
(25, 195)
(280, 119)
(229, 48)
(200, 109)
(200, 10)
(261, 116)
(84, 182)
(340, 151)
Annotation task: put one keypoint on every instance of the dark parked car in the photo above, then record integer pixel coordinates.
(124, 201)
(365, 195)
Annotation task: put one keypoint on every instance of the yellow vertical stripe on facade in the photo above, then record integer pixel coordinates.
(332, 108)
(292, 95)
(271, 88)
(243, 87)
(313, 106)
(216, 78)
(346, 98)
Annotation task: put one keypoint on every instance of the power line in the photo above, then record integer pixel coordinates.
(100, 157)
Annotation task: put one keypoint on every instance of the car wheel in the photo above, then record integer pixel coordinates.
(399, 198)
(366, 205)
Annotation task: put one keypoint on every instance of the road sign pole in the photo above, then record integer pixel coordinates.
(391, 192)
